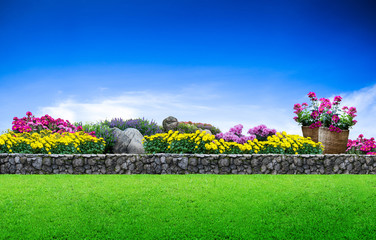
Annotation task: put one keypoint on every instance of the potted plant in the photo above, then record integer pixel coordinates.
(336, 122)
(309, 117)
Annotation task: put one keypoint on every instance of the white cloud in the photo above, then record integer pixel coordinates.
(365, 102)
(205, 106)
(187, 105)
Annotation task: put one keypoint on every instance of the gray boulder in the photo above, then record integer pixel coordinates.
(128, 141)
(206, 130)
(170, 123)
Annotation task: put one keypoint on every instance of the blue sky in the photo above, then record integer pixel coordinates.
(220, 62)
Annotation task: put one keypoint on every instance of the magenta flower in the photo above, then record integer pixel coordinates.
(335, 118)
(337, 100)
(312, 95)
(315, 125)
(315, 114)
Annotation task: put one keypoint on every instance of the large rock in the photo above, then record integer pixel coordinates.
(170, 123)
(128, 141)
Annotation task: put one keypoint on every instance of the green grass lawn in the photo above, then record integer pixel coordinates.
(187, 206)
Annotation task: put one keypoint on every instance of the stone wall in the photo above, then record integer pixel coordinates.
(186, 164)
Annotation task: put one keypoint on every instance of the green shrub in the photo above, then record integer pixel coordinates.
(191, 127)
(102, 130)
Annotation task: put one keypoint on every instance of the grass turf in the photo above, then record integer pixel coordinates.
(187, 206)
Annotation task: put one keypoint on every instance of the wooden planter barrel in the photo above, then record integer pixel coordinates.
(313, 133)
(334, 143)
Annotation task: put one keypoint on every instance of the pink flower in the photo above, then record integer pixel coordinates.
(29, 113)
(315, 125)
(315, 114)
(312, 95)
(335, 118)
(337, 100)
(297, 106)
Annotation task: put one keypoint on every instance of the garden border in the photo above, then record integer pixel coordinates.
(186, 164)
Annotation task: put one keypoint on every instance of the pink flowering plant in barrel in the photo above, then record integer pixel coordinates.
(361, 145)
(324, 113)
(334, 117)
(308, 115)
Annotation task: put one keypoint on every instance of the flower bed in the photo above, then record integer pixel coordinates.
(200, 142)
(48, 142)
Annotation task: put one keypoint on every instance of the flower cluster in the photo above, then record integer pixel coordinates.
(200, 142)
(262, 132)
(315, 125)
(235, 135)
(48, 142)
(334, 129)
(361, 146)
(33, 124)
(325, 113)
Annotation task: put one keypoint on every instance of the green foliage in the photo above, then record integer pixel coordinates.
(345, 122)
(191, 127)
(304, 118)
(102, 130)
(184, 127)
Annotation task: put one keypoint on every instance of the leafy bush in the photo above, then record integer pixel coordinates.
(200, 142)
(47, 142)
(100, 130)
(186, 127)
(191, 127)
(145, 127)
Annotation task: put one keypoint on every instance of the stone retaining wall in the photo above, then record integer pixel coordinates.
(186, 164)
